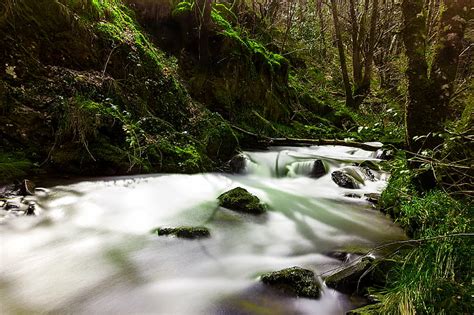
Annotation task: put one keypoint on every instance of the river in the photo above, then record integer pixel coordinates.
(90, 251)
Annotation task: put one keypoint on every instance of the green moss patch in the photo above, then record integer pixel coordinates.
(186, 232)
(240, 200)
(293, 281)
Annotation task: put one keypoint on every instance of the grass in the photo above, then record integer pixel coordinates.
(433, 276)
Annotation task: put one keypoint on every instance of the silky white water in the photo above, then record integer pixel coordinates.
(90, 250)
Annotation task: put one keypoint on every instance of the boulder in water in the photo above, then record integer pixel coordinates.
(27, 187)
(318, 170)
(238, 163)
(294, 281)
(239, 199)
(344, 180)
(187, 232)
(368, 173)
(348, 280)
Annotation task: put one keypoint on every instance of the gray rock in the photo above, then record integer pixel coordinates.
(318, 170)
(238, 163)
(344, 180)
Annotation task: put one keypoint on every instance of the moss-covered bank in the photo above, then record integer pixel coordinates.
(83, 90)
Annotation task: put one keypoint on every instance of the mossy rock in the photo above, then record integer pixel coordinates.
(348, 280)
(240, 200)
(187, 232)
(294, 281)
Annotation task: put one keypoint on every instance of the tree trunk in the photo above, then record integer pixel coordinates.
(342, 56)
(203, 9)
(418, 108)
(369, 58)
(322, 29)
(356, 55)
(429, 96)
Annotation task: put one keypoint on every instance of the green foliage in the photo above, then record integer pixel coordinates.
(434, 276)
(13, 166)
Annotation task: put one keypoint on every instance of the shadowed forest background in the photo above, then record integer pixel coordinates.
(114, 87)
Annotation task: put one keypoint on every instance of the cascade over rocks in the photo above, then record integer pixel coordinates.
(294, 281)
(240, 200)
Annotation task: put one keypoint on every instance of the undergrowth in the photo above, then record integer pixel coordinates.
(434, 275)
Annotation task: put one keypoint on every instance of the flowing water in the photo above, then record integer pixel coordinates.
(90, 249)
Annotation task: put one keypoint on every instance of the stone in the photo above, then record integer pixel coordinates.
(12, 206)
(27, 187)
(368, 173)
(384, 154)
(187, 232)
(318, 170)
(344, 180)
(372, 198)
(295, 281)
(240, 200)
(348, 280)
(238, 163)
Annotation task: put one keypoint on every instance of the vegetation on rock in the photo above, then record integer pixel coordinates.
(240, 200)
(293, 281)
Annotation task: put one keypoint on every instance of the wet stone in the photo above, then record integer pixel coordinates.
(344, 180)
(240, 200)
(187, 232)
(295, 281)
(238, 163)
(318, 170)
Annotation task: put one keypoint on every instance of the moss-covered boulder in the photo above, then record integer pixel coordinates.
(294, 281)
(348, 279)
(187, 232)
(240, 200)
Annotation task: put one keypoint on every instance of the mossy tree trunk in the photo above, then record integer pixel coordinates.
(429, 94)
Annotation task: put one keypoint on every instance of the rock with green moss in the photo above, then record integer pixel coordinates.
(240, 200)
(294, 281)
(348, 280)
(188, 232)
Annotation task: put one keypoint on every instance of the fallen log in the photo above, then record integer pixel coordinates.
(265, 142)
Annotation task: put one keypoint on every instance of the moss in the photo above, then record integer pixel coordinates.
(184, 232)
(293, 281)
(239, 199)
(13, 167)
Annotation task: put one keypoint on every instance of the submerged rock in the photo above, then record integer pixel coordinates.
(184, 232)
(344, 180)
(294, 281)
(239, 199)
(368, 173)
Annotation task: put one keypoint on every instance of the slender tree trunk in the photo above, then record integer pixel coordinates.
(203, 10)
(322, 28)
(356, 54)
(342, 56)
(369, 58)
